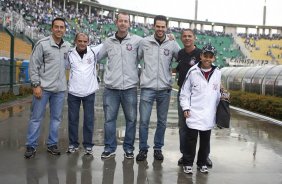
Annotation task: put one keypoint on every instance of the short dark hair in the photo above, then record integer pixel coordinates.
(122, 13)
(80, 33)
(160, 18)
(190, 30)
(58, 18)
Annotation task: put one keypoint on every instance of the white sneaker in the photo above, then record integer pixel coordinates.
(188, 169)
(203, 169)
(72, 149)
(88, 151)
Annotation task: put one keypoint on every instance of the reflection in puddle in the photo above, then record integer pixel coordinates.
(8, 112)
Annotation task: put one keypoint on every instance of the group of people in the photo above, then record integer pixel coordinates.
(199, 90)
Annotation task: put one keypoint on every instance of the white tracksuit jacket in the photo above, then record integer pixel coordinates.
(201, 97)
(83, 75)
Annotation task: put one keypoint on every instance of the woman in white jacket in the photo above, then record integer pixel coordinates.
(199, 97)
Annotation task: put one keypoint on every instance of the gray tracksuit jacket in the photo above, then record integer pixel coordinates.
(47, 64)
(156, 70)
(121, 68)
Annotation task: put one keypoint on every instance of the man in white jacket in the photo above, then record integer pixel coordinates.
(199, 97)
(82, 86)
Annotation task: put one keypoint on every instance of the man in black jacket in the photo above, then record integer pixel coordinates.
(187, 57)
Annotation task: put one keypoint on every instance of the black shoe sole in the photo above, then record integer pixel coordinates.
(32, 156)
(131, 157)
(109, 156)
(140, 160)
(52, 153)
(159, 159)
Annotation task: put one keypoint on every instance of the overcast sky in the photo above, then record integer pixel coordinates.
(226, 11)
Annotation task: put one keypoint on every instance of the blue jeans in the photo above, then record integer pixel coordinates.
(148, 96)
(111, 101)
(88, 119)
(38, 107)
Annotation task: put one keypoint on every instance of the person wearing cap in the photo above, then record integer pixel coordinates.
(199, 97)
(187, 57)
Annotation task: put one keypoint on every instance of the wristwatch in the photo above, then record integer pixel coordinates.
(35, 84)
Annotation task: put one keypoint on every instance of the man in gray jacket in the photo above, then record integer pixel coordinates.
(48, 80)
(121, 80)
(156, 83)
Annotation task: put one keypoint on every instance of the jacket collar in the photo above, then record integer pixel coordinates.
(199, 66)
(128, 36)
(53, 43)
(152, 39)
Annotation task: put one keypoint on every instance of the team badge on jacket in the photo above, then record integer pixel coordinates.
(65, 56)
(166, 52)
(215, 86)
(89, 61)
(192, 61)
(129, 47)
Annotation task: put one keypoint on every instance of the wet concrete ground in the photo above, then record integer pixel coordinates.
(249, 152)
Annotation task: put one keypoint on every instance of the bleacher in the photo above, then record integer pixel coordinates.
(99, 29)
(224, 45)
(22, 48)
(265, 49)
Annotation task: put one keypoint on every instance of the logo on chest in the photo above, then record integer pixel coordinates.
(89, 60)
(65, 55)
(192, 61)
(166, 52)
(215, 87)
(129, 47)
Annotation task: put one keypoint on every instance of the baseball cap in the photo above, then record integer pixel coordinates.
(209, 48)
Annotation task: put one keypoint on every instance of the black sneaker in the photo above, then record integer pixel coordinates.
(30, 152)
(209, 162)
(180, 161)
(142, 155)
(107, 154)
(53, 150)
(158, 155)
(129, 155)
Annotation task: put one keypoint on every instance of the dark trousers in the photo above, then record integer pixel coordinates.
(88, 119)
(189, 150)
(182, 125)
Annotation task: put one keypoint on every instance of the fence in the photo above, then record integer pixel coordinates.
(14, 52)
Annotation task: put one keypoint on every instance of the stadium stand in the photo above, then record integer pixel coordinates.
(262, 47)
(38, 18)
(22, 48)
(25, 17)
